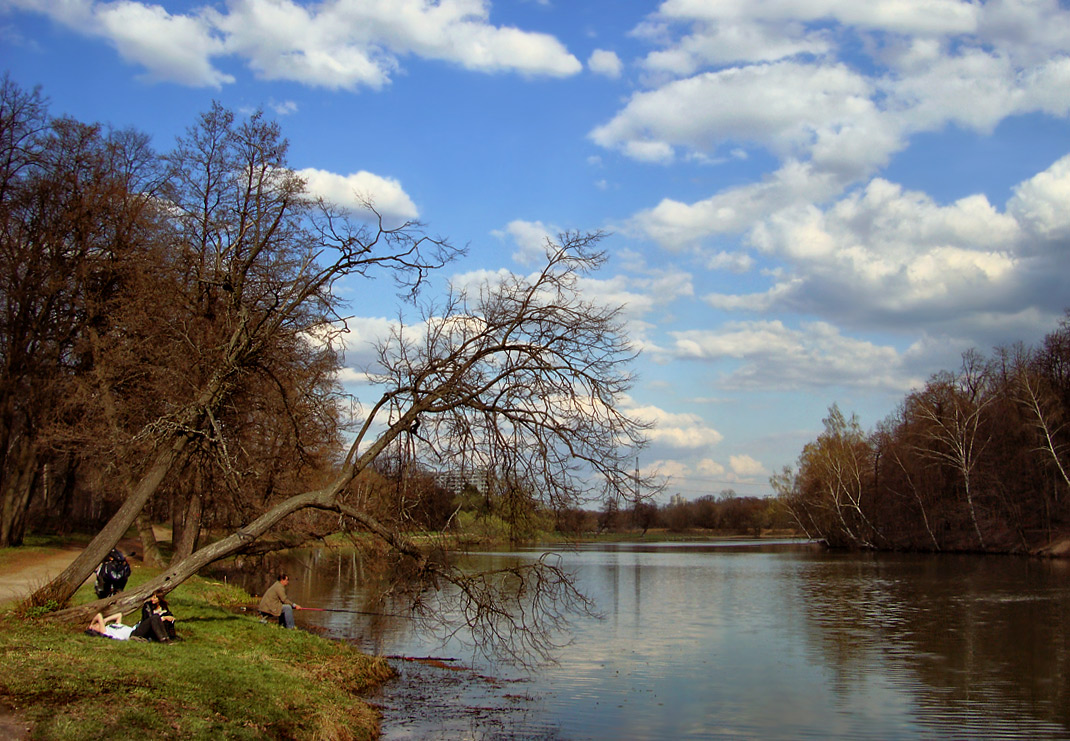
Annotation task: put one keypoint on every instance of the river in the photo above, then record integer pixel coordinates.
(739, 639)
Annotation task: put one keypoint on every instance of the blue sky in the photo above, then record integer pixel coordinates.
(809, 201)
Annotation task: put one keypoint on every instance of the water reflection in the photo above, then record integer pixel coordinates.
(701, 641)
(980, 644)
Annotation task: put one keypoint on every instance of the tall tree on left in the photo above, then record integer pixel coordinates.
(246, 264)
(73, 199)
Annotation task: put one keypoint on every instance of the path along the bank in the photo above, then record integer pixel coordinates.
(22, 573)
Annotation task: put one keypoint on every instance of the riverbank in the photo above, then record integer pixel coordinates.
(230, 676)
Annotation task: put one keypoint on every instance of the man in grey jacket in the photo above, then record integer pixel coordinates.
(275, 604)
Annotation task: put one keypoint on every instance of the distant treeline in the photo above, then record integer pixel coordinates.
(499, 511)
(977, 460)
(726, 512)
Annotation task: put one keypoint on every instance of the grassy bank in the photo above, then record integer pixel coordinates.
(230, 676)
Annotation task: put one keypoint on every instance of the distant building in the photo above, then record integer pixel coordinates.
(677, 500)
(456, 480)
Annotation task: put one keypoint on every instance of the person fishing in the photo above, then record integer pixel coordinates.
(276, 604)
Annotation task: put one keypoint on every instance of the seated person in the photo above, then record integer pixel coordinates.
(276, 604)
(157, 622)
(110, 627)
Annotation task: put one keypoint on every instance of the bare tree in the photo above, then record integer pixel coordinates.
(954, 408)
(253, 260)
(526, 376)
(1044, 410)
(73, 200)
(835, 476)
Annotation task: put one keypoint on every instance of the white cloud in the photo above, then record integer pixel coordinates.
(1040, 203)
(886, 252)
(676, 225)
(74, 13)
(776, 357)
(605, 62)
(724, 43)
(531, 239)
(886, 256)
(831, 88)
(283, 108)
(745, 466)
(172, 47)
(343, 44)
(902, 16)
(350, 191)
(351, 43)
(786, 107)
(710, 468)
(685, 431)
(733, 262)
(361, 336)
(672, 469)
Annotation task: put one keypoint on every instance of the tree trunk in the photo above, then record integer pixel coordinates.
(18, 482)
(63, 587)
(191, 528)
(150, 555)
(178, 572)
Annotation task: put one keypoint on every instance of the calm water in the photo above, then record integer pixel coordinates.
(771, 641)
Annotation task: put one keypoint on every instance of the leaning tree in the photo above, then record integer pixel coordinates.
(523, 376)
(250, 261)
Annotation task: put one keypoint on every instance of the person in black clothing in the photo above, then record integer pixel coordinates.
(112, 574)
(157, 623)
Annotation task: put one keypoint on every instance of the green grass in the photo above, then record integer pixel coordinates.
(230, 677)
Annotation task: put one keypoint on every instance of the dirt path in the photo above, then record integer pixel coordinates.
(21, 573)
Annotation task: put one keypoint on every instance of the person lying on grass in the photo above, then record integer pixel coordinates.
(156, 624)
(110, 627)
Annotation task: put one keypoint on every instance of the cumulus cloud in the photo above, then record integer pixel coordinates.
(531, 239)
(832, 89)
(745, 466)
(888, 255)
(1040, 203)
(170, 47)
(772, 356)
(710, 468)
(606, 63)
(785, 107)
(686, 431)
(677, 225)
(903, 16)
(359, 337)
(345, 44)
(356, 190)
(726, 43)
(176, 48)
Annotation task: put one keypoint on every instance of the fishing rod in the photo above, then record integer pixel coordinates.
(357, 612)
